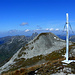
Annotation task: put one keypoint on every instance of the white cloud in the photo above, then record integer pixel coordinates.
(57, 29)
(51, 29)
(27, 30)
(47, 28)
(24, 23)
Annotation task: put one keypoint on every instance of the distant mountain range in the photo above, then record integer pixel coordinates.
(11, 44)
(4, 39)
(28, 32)
(64, 36)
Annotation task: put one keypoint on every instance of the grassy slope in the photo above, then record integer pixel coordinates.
(53, 64)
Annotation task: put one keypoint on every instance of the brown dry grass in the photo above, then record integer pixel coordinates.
(26, 71)
(53, 59)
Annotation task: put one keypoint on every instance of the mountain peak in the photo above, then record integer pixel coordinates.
(42, 44)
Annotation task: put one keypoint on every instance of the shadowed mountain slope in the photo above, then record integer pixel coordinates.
(11, 44)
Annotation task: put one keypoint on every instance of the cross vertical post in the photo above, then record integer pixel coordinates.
(67, 37)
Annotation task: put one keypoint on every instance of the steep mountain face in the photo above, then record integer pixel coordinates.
(37, 48)
(72, 38)
(11, 44)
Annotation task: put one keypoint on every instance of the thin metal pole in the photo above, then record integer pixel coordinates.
(67, 37)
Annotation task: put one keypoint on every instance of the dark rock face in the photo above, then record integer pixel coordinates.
(10, 46)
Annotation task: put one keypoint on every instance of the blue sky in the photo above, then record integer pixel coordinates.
(21, 15)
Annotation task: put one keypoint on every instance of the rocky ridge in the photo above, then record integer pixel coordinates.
(41, 45)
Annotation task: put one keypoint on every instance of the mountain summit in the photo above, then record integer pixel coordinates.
(41, 45)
